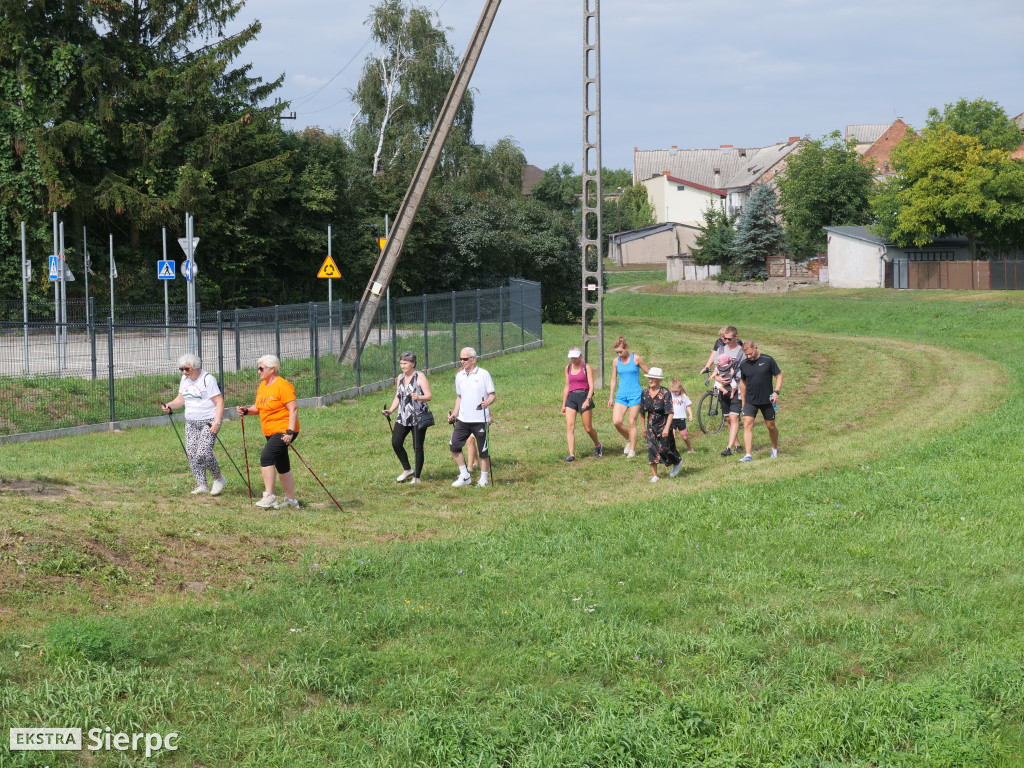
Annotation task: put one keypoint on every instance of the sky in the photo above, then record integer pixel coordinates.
(674, 72)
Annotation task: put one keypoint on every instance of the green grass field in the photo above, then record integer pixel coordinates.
(853, 603)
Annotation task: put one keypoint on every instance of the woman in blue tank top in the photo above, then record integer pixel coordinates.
(626, 372)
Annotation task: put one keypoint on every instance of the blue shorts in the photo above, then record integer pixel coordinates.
(628, 401)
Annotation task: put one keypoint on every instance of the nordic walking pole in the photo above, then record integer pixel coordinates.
(245, 448)
(487, 434)
(315, 477)
(388, 415)
(169, 412)
(231, 460)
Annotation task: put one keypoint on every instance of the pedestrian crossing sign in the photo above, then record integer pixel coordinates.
(328, 269)
(165, 269)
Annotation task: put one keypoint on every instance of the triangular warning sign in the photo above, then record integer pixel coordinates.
(328, 269)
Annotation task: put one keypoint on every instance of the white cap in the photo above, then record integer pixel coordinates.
(574, 353)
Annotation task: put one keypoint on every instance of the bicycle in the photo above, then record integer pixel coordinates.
(710, 415)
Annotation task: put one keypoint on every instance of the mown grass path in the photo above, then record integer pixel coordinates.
(853, 603)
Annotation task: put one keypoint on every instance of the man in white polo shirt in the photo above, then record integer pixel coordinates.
(474, 395)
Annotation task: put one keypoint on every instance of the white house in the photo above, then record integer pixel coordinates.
(858, 258)
(678, 200)
(680, 182)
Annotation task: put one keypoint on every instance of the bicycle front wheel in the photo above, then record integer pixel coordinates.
(710, 415)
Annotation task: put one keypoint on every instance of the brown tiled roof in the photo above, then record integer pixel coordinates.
(531, 175)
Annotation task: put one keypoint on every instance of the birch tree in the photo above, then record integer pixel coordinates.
(402, 88)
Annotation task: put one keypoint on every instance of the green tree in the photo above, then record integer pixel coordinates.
(758, 233)
(624, 207)
(154, 120)
(559, 189)
(634, 209)
(494, 238)
(950, 184)
(717, 239)
(825, 184)
(40, 52)
(985, 120)
(402, 88)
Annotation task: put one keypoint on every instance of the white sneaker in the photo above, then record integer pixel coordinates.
(267, 501)
(675, 469)
(200, 489)
(218, 485)
(287, 503)
(654, 478)
(775, 453)
(405, 476)
(630, 454)
(626, 449)
(462, 480)
(482, 483)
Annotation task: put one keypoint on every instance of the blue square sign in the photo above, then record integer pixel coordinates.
(165, 269)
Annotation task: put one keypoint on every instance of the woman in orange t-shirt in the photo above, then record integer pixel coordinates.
(279, 418)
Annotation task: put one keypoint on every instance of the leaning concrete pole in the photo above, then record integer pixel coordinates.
(385, 267)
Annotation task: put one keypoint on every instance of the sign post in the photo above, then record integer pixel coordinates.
(188, 244)
(165, 272)
(85, 274)
(26, 275)
(113, 274)
(330, 300)
(56, 290)
(63, 351)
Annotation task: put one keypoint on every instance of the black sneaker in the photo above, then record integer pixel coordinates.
(570, 457)
(599, 451)
(727, 452)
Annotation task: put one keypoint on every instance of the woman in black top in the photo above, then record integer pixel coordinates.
(411, 397)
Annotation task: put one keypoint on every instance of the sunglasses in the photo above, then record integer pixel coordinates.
(185, 369)
(728, 338)
(464, 359)
(260, 368)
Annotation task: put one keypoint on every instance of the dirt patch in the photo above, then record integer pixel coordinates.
(37, 489)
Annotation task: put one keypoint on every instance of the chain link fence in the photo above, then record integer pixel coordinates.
(106, 370)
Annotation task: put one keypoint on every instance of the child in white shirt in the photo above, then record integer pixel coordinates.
(681, 409)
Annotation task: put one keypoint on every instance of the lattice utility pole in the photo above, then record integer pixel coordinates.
(593, 267)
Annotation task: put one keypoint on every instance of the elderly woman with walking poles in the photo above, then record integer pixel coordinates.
(411, 397)
(204, 413)
(278, 410)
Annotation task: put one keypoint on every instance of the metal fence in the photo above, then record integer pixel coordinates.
(56, 376)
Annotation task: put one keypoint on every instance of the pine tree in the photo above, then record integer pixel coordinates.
(717, 239)
(758, 234)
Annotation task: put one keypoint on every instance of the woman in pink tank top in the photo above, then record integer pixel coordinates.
(578, 397)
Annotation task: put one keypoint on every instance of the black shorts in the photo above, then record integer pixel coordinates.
(679, 424)
(730, 403)
(461, 434)
(275, 453)
(579, 402)
(768, 411)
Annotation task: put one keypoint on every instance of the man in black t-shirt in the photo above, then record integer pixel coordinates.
(759, 393)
